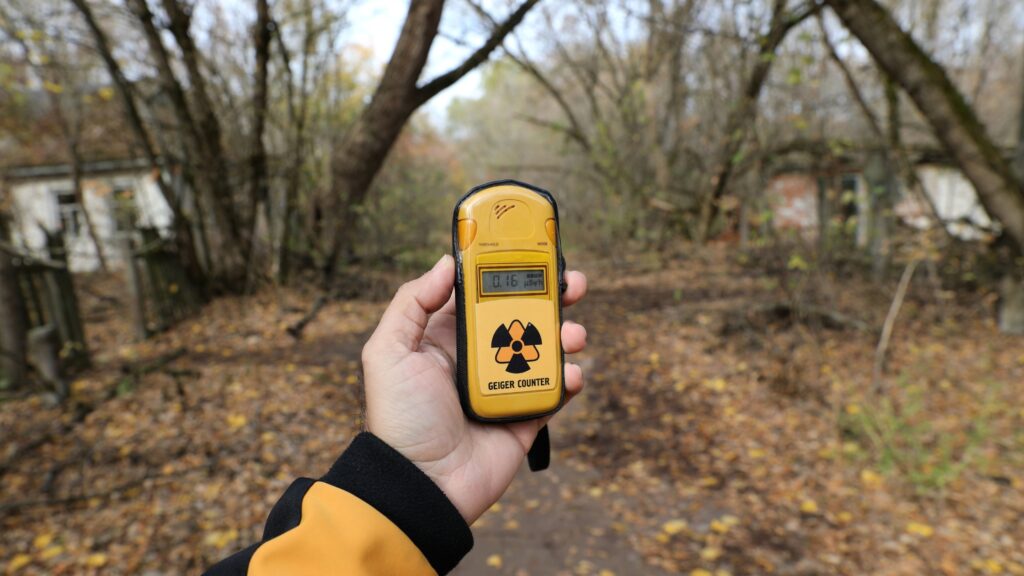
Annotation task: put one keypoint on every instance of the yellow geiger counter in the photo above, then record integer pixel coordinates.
(508, 287)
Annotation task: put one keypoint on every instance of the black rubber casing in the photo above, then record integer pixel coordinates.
(461, 376)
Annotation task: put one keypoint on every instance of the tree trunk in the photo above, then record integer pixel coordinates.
(12, 321)
(76, 187)
(65, 313)
(877, 176)
(258, 159)
(71, 129)
(745, 222)
(209, 132)
(1019, 159)
(1011, 290)
(213, 180)
(887, 188)
(366, 145)
(1011, 305)
(259, 187)
(952, 119)
(824, 216)
(136, 292)
(297, 116)
(742, 116)
(183, 236)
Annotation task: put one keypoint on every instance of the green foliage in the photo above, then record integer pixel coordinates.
(797, 262)
(125, 386)
(904, 439)
(597, 197)
(837, 146)
(405, 221)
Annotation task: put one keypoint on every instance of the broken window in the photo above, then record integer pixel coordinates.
(72, 220)
(849, 188)
(123, 209)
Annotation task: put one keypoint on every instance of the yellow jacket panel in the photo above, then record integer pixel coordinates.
(373, 513)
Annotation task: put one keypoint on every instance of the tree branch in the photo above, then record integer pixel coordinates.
(432, 88)
(953, 120)
(742, 116)
(896, 146)
(575, 131)
(851, 82)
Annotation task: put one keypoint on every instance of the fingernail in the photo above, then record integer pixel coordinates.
(439, 262)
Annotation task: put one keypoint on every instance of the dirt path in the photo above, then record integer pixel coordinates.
(557, 521)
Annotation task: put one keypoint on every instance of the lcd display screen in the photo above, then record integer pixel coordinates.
(512, 281)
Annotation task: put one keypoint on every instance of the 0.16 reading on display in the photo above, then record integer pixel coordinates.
(506, 281)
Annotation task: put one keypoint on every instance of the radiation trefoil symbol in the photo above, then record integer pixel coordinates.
(517, 346)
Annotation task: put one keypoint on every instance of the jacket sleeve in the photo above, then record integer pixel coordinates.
(373, 513)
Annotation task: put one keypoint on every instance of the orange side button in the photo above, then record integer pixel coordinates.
(467, 232)
(552, 230)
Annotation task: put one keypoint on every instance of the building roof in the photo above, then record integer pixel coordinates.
(32, 142)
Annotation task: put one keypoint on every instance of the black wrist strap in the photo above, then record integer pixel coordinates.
(539, 455)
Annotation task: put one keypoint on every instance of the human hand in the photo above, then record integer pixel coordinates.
(412, 404)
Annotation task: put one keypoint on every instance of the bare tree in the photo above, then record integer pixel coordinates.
(744, 111)
(259, 191)
(952, 119)
(314, 54)
(201, 133)
(643, 107)
(621, 102)
(182, 224)
(207, 124)
(359, 157)
(55, 71)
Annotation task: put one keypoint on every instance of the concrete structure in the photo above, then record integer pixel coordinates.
(794, 200)
(116, 194)
(118, 188)
(954, 200)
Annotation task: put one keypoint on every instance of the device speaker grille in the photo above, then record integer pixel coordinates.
(502, 209)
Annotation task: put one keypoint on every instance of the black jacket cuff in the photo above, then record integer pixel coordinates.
(378, 475)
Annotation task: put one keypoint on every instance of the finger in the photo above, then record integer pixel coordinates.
(406, 317)
(576, 287)
(573, 386)
(573, 380)
(574, 337)
(449, 306)
(441, 332)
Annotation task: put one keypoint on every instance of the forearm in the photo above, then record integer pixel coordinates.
(374, 512)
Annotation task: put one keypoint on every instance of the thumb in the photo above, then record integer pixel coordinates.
(402, 325)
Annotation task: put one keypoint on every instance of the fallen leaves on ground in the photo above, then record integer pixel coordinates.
(714, 439)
